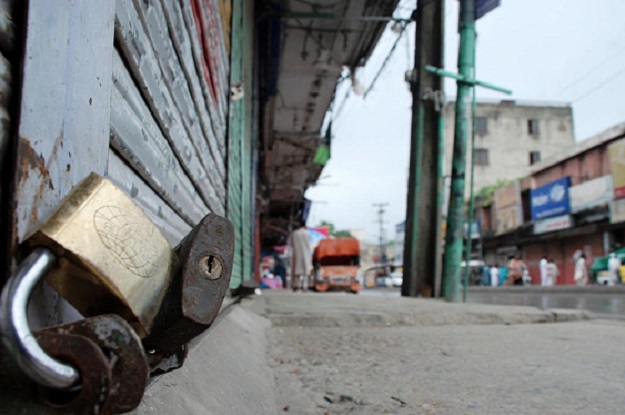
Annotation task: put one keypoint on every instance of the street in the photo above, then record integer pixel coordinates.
(373, 354)
(604, 302)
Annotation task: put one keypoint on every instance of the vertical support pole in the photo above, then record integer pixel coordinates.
(455, 217)
(470, 214)
(422, 242)
(440, 203)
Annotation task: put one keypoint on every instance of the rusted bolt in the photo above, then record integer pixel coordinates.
(211, 267)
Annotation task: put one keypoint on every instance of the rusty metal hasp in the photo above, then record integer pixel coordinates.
(106, 258)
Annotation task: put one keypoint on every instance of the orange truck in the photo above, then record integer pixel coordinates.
(336, 263)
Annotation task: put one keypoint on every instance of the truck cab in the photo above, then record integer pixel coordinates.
(336, 263)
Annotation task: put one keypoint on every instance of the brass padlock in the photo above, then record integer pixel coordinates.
(112, 258)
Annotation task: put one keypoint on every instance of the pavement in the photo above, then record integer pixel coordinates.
(226, 372)
(310, 353)
(340, 353)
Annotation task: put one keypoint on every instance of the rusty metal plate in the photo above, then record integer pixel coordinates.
(206, 268)
(202, 269)
(125, 354)
(95, 373)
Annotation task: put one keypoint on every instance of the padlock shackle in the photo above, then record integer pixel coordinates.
(16, 334)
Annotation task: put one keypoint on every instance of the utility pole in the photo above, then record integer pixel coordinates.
(380, 220)
(455, 215)
(466, 82)
(422, 247)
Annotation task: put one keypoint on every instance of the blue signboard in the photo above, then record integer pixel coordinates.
(551, 199)
(484, 6)
(400, 227)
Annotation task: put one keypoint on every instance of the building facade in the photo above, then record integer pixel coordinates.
(570, 204)
(510, 136)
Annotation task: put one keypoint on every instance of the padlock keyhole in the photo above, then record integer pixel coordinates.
(211, 267)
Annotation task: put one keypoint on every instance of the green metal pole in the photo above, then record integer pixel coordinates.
(466, 80)
(467, 269)
(411, 255)
(455, 215)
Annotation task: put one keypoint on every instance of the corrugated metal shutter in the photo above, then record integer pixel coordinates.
(240, 143)
(134, 90)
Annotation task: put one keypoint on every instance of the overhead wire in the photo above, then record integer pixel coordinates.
(379, 72)
(589, 72)
(601, 85)
(386, 60)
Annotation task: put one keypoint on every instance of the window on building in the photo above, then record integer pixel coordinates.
(481, 157)
(481, 125)
(533, 127)
(534, 157)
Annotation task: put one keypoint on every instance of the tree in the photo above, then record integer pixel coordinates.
(343, 233)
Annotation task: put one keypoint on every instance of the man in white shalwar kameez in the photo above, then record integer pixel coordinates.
(301, 259)
(543, 271)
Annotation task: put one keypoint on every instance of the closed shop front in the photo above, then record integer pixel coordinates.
(140, 93)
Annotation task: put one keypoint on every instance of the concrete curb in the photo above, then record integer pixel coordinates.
(559, 289)
(318, 310)
(427, 320)
(226, 372)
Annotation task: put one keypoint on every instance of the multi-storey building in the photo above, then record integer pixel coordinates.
(569, 204)
(511, 136)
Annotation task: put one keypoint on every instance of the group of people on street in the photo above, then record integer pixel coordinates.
(516, 273)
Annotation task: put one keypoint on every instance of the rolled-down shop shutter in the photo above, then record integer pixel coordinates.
(135, 91)
(240, 140)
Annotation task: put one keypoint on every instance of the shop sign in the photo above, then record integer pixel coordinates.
(551, 199)
(400, 227)
(553, 224)
(617, 211)
(596, 192)
(616, 151)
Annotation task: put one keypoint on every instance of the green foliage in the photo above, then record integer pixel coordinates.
(333, 231)
(342, 234)
(326, 224)
(485, 194)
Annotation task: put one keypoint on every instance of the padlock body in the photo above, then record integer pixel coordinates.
(112, 258)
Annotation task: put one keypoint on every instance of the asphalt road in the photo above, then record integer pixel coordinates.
(604, 303)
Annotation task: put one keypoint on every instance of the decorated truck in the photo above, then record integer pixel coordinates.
(336, 263)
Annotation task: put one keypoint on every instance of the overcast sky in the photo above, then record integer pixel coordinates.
(562, 50)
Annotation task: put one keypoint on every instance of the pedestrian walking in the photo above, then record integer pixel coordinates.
(494, 276)
(581, 272)
(516, 266)
(614, 266)
(543, 271)
(301, 258)
(503, 274)
(552, 273)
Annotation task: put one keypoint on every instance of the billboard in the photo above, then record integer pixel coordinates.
(616, 152)
(553, 224)
(596, 192)
(551, 199)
